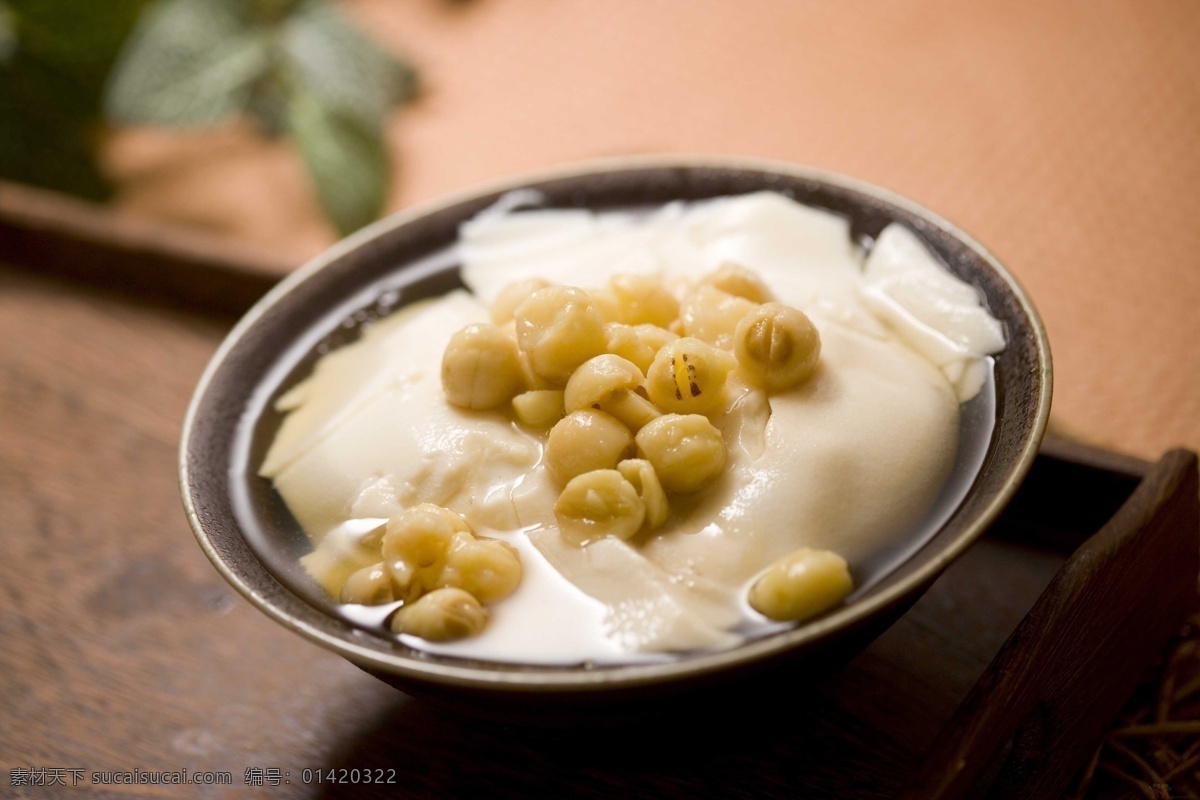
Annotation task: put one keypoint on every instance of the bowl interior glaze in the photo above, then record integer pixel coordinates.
(250, 536)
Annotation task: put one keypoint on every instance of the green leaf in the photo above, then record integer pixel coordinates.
(339, 86)
(340, 67)
(345, 156)
(79, 40)
(189, 63)
(268, 105)
(43, 143)
(54, 58)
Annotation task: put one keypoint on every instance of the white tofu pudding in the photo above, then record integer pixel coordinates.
(847, 466)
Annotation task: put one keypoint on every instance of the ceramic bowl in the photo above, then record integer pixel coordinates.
(251, 538)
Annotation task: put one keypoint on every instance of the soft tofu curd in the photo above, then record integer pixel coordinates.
(822, 473)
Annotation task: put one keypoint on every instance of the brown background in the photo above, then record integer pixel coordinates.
(1062, 135)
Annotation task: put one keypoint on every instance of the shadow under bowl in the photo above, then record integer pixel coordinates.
(252, 539)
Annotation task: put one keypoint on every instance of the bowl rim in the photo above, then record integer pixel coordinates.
(554, 679)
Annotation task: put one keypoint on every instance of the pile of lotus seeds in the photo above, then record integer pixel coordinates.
(444, 574)
(624, 380)
(627, 369)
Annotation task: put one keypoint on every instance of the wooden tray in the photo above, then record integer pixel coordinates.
(1044, 646)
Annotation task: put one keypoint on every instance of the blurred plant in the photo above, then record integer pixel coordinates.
(54, 58)
(296, 66)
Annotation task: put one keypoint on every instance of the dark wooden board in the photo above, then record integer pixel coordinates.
(123, 648)
(53, 234)
(1044, 703)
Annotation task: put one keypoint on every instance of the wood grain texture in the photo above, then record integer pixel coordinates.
(1044, 703)
(123, 648)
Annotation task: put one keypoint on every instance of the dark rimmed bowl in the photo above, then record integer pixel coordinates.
(245, 530)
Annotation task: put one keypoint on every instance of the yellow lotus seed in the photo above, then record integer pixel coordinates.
(610, 383)
(487, 568)
(687, 451)
(511, 296)
(713, 315)
(740, 282)
(441, 616)
(415, 547)
(642, 299)
(640, 473)
(624, 341)
(539, 408)
(598, 504)
(586, 440)
(481, 368)
(801, 585)
(688, 377)
(777, 346)
(369, 586)
(559, 328)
